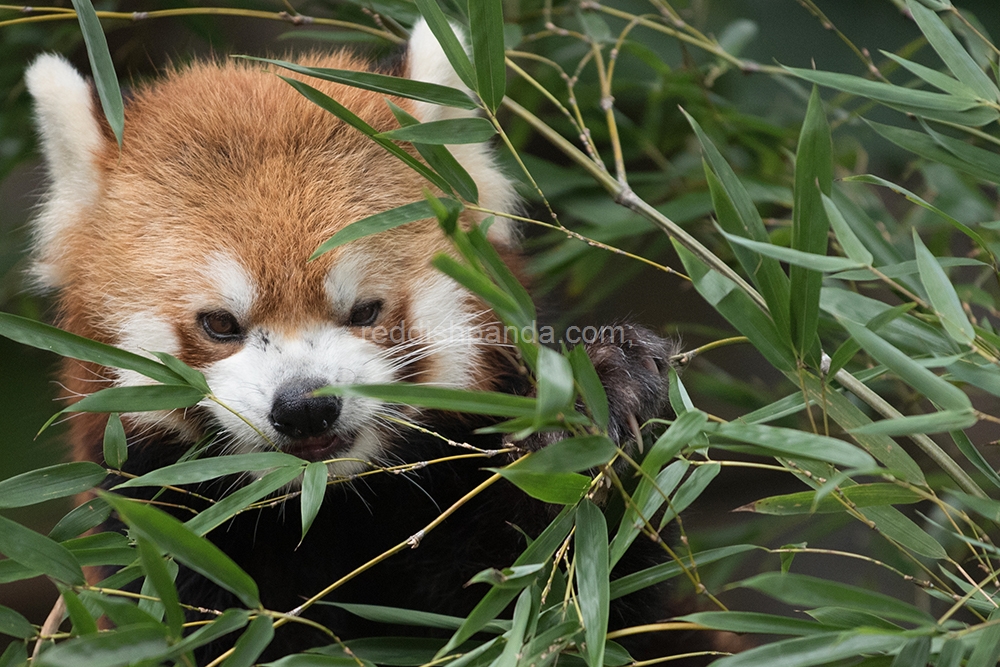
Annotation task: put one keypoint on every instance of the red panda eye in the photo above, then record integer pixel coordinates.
(365, 313)
(221, 326)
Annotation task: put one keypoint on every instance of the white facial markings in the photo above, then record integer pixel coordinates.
(247, 381)
(447, 330)
(234, 288)
(345, 281)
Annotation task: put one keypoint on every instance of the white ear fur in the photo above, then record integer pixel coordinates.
(70, 139)
(426, 61)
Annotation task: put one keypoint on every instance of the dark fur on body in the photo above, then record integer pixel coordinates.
(358, 522)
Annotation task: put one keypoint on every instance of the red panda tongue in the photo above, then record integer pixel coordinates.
(316, 448)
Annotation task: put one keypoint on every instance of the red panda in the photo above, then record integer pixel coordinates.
(193, 239)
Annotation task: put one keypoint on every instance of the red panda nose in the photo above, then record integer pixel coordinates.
(295, 412)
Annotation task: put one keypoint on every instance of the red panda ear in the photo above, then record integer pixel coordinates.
(71, 138)
(426, 61)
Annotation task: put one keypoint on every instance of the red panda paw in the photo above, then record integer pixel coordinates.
(632, 363)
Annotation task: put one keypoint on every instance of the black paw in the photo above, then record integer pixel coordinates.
(632, 363)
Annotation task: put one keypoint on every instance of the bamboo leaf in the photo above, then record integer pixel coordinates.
(800, 589)
(441, 132)
(187, 547)
(932, 76)
(987, 645)
(238, 500)
(951, 52)
(115, 443)
(853, 247)
(450, 44)
(202, 470)
(141, 398)
(103, 69)
(589, 384)
(555, 385)
(163, 584)
(592, 573)
(819, 649)
(14, 624)
(942, 295)
(313, 493)
(568, 455)
(558, 488)
(58, 481)
(813, 179)
(39, 553)
(63, 343)
(486, 24)
(975, 161)
(859, 495)
(375, 224)
(797, 444)
(941, 392)
(125, 646)
(898, 527)
(748, 621)
(935, 422)
(441, 398)
(820, 263)
(381, 83)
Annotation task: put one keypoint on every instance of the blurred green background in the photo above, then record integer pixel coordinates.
(757, 114)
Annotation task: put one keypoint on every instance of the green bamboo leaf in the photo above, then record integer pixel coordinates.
(39, 553)
(942, 294)
(504, 305)
(316, 660)
(237, 501)
(202, 470)
(690, 490)
(251, 643)
(83, 622)
(885, 92)
(163, 584)
(141, 398)
(932, 76)
(340, 111)
(555, 385)
(945, 395)
(898, 527)
(986, 507)
(63, 343)
(800, 589)
(952, 53)
(935, 422)
(424, 619)
(952, 652)
(440, 398)
(187, 547)
(450, 44)
(987, 645)
(737, 214)
(494, 602)
(592, 574)
(860, 495)
(906, 268)
(89, 515)
(983, 376)
(15, 655)
(230, 621)
(813, 179)
(515, 637)
(14, 624)
(381, 83)
(441, 132)
(569, 455)
(313, 493)
(124, 646)
(748, 621)
(58, 481)
(486, 254)
(820, 649)
(853, 247)
(972, 453)
(589, 384)
(981, 164)
(440, 159)
(820, 263)
(103, 69)
(375, 224)
(794, 444)
(647, 499)
(558, 488)
(191, 376)
(486, 26)
(115, 443)
(734, 304)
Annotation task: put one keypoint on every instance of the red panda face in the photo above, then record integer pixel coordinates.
(194, 239)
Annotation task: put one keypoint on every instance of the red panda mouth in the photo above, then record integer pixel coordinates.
(317, 448)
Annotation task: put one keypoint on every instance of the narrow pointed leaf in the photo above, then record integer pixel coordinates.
(381, 83)
(650, 576)
(558, 488)
(746, 621)
(251, 643)
(935, 422)
(58, 481)
(376, 223)
(813, 180)
(197, 553)
(201, 470)
(987, 645)
(449, 42)
(885, 92)
(14, 624)
(115, 443)
(142, 398)
(853, 247)
(555, 385)
(942, 294)
(569, 455)
(592, 573)
(103, 69)
(63, 343)
(819, 649)
(81, 519)
(39, 553)
(589, 383)
(124, 646)
(313, 492)
(860, 495)
(951, 52)
(933, 77)
(798, 444)
(945, 395)
(441, 132)
(900, 528)
(819, 263)
(441, 398)
(486, 26)
(163, 584)
(981, 164)
(237, 501)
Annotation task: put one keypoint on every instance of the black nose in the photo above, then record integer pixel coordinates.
(296, 413)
